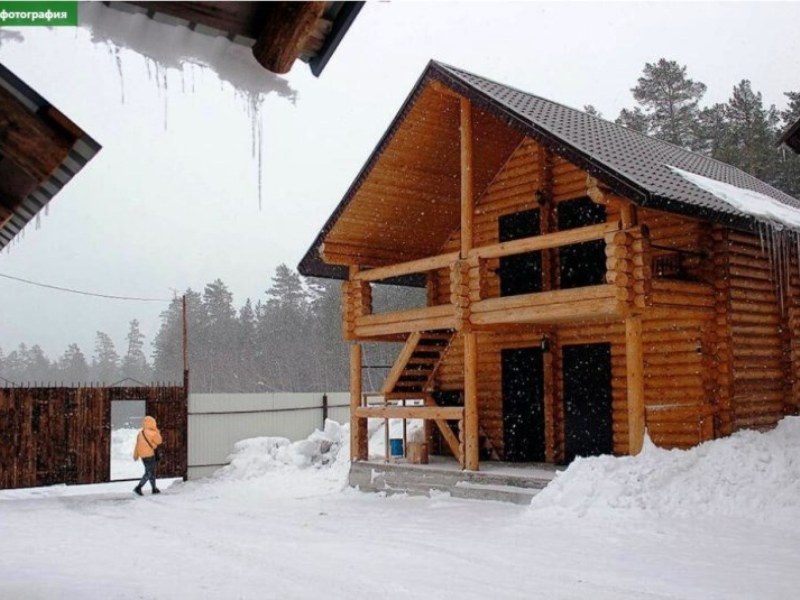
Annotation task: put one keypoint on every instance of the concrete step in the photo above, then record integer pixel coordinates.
(498, 493)
(421, 479)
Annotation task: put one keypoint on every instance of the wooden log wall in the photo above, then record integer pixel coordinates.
(356, 302)
(754, 322)
(63, 435)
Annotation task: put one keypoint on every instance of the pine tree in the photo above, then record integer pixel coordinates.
(752, 132)
(37, 366)
(72, 366)
(246, 350)
(633, 119)
(218, 333)
(105, 362)
(788, 175)
(283, 333)
(589, 109)
(134, 364)
(792, 112)
(669, 103)
(167, 346)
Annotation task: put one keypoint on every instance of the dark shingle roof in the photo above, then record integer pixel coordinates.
(621, 157)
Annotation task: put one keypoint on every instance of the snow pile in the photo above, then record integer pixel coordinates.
(255, 458)
(749, 474)
(746, 201)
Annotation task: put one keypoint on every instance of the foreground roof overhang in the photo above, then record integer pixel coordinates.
(279, 32)
(41, 150)
(629, 163)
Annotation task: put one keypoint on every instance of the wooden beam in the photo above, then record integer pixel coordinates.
(401, 362)
(467, 183)
(578, 311)
(28, 141)
(450, 439)
(348, 253)
(545, 299)
(406, 321)
(471, 439)
(358, 424)
(448, 413)
(545, 241)
(285, 32)
(634, 366)
(421, 265)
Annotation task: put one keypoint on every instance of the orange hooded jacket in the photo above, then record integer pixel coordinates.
(142, 449)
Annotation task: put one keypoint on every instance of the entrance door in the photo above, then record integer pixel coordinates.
(582, 264)
(523, 404)
(587, 400)
(521, 273)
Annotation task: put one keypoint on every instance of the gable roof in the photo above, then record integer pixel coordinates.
(791, 137)
(632, 164)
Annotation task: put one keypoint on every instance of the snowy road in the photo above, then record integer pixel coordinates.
(289, 532)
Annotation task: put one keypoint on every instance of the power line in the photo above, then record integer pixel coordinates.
(83, 293)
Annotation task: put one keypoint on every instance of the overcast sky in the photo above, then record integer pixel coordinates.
(172, 201)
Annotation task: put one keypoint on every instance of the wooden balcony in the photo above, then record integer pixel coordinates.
(627, 288)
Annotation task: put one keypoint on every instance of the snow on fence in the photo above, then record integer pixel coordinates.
(218, 421)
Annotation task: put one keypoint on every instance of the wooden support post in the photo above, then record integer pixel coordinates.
(471, 401)
(634, 362)
(467, 189)
(358, 426)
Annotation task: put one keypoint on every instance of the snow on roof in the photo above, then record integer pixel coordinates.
(749, 202)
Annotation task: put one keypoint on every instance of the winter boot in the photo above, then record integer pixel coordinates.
(138, 490)
(156, 491)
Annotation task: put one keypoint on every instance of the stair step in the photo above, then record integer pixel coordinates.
(410, 378)
(498, 493)
(436, 335)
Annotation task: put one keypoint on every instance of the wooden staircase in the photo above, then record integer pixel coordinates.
(413, 371)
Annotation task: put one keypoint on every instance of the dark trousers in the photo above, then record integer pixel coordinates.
(149, 472)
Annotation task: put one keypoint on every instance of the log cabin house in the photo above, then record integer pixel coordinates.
(40, 151)
(583, 284)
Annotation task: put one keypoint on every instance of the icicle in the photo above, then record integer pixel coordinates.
(166, 98)
(118, 60)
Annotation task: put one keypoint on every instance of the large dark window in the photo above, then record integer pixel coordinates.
(521, 273)
(583, 264)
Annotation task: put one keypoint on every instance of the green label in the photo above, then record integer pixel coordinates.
(38, 13)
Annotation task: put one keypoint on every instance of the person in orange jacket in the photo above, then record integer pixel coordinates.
(147, 441)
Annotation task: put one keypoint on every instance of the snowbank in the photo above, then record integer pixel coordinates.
(122, 464)
(255, 458)
(749, 474)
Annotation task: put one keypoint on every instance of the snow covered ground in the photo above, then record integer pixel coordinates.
(719, 521)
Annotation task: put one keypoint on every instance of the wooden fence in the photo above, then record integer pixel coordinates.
(51, 435)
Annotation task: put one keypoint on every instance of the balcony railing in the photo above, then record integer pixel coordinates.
(628, 276)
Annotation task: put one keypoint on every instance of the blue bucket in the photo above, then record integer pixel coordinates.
(396, 446)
